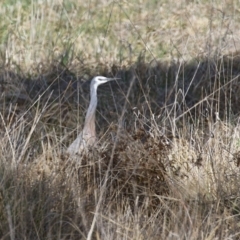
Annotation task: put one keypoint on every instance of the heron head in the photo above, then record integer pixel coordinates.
(96, 81)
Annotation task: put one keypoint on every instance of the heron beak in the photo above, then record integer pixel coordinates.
(111, 79)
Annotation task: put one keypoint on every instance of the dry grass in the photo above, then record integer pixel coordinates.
(36, 33)
(167, 162)
(160, 173)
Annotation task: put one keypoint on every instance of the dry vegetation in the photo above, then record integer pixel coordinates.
(168, 157)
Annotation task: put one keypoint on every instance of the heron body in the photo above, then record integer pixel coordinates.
(88, 135)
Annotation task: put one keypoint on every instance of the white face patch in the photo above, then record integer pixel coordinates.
(99, 80)
(103, 80)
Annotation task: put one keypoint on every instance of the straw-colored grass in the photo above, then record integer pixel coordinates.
(36, 33)
(168, 156)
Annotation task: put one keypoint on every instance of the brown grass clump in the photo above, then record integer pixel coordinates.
(133, 170)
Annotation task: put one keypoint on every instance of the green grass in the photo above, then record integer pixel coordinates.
(39, 32)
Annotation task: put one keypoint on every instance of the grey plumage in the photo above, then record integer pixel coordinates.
(88, 135)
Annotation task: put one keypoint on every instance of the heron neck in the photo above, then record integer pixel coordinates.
(90, 117)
